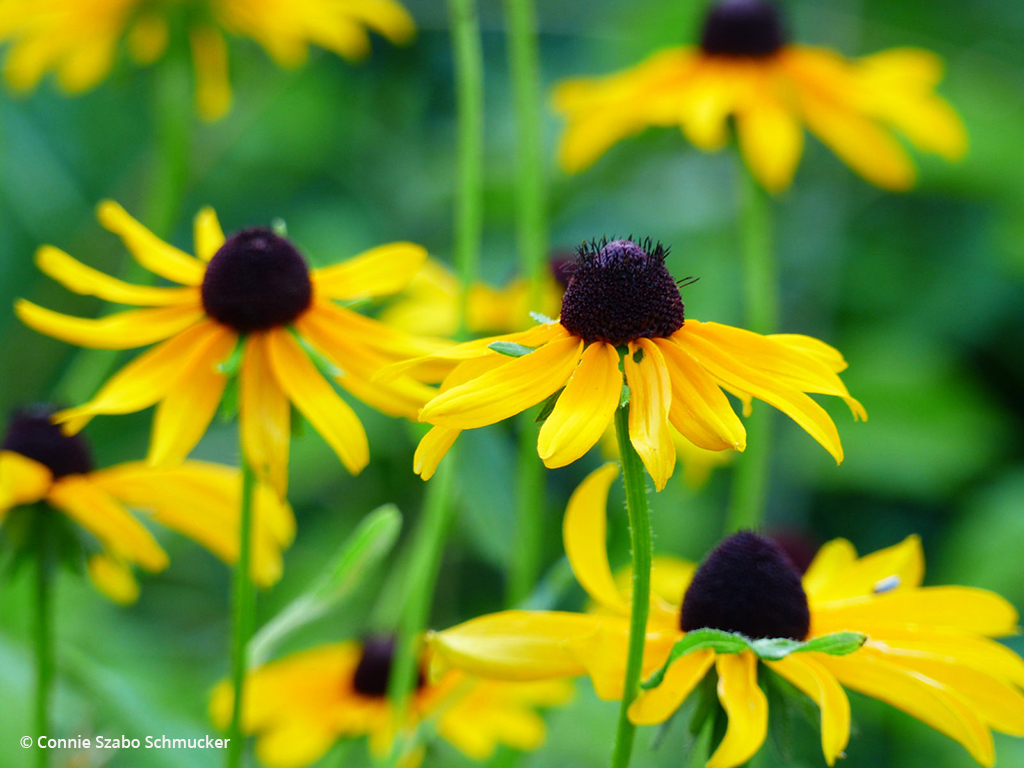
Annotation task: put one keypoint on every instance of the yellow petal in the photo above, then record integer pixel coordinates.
(897, 567)
(584, 530)
(87, 64)
(316, 399)
(22, 480)
(711, 98)
(584, 409)
(113, 578)
(603, 653)
(509, 390)
(817, 348)
(123, 330)
(294, 744)
(148, 249)
(431, 449)
(84, 280)
(208, 235)
(649, 403)
(820, 685)
(829, 564)
(386, 17)
(380, 271)
(96, 511)
(147, 39)
(771, 139)
(745, 704)
(210, 62)
(980, 653)
(264, 416)
(657, 705)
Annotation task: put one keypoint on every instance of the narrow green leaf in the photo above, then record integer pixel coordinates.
(699, 640)
(233, 364)
(548, 407)
(836, 644)
(510, 348)
(774, 648)
(229, 401)
(624, 397)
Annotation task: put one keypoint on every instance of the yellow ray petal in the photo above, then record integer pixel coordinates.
(147, 39)
(818, 683)
(96, 511)
(980, 653)
(431, 449)
(509, 390)
(123, 330)
(84, 280)
(912, 67)
(657, 705)
(771, 139)
(22, 480)
(294, 743)
(603, 654)
(745, 704)
(210, 62)
(114, 578)
(816, 348)
(87, 64)
(710, 97)
(584, 410)
(148, 249)
(264, 416)
(830, 563)
(316, 399)
(897, 567)
(584, 530)
(207, 234)
(381, 271)
(386, 17)
(649, 403)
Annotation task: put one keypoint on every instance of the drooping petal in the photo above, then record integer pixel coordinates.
(745, 704)
(22, 480)
(264, 416)
(431, 449)
(123, 330)
(381, 271)
(822, 687)
(771, 139)
(584, 409)
(980, 653)
(207, 234)
(584, 530)
(114, 578)
(657, 705)
(604, 651)
(816, 348)
(148, 249)
(650, 400)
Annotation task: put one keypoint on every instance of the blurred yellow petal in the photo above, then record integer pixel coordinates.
(210, 61)
(87, 64)
(22, 480)
(657, 705)
(745, 704)
(265, 415)
(819, 684)
(294, 744)
(649, 403)
(431, 449)
(148, 249)
(147, 39)
(584, 409)
(207, 234)
(380, 271)
(123, 330)
(386, 17)
(830, 563)
(897, 567)
(771, 139)
(114, 578)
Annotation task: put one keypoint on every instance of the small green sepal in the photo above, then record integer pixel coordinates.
(510, 348)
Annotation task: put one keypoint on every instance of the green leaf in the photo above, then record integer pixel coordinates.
(624, 397)
(364, 549)
(774, 648)
(548, 407)
(229, 401)
(233, 364)
(510, 348)
(836, 644)
(699, 640)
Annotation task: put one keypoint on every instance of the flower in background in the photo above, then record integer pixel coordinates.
(79, 40)
(746, 69)
(247, 305)
(925, 650)
(39, 463)
(299, 706)
(622, 326)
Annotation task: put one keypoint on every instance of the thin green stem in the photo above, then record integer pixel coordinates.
(528, 544)
(42, 630)
(750, 478)
(243, 615)
(640, 539)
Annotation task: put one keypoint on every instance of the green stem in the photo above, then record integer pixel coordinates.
(640, 540)
(531, 224)
(243, 615)
(750, 478)
(42, 631)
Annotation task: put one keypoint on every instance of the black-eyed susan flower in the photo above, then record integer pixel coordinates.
(746, 69)
(863, 623)
(299, 706)
(246, 305)
(79, 40)
(622, 324)
(39, 463)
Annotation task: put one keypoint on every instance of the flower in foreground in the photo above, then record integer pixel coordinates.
(928, 650)
(79, 40)
(299, 706)
(745, 68)
(38, 463)
(247, 305)
(622, 324)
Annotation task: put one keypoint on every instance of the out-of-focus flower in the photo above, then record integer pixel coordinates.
(38, 463)
(622, 325)
(248, 305)
(925, 650)
(299, 706)
(79, 40)
(746, 69)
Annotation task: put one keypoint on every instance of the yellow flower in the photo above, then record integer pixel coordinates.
(38, 463)
(696, 463)
(252, 293)
(622, 297)
(745, 68)
(928, 650)
(299, 706)
(79, 39)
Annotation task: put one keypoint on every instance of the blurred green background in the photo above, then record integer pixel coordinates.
(923, 293)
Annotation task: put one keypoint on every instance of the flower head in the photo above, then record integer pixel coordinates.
(299, 706)
(863, 623)
(79, 39)
(623, 324)
(39, 463)
(746, 68)
(248, 305)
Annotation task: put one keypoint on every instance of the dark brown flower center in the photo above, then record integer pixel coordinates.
(621, 291)
(31, 433)
(257, 280)
(374, 669)
(747, 585)
(750, 28)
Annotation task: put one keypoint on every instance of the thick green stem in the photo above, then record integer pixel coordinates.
(42, 630)
(750, 478)
(243, 615)
(640, 539)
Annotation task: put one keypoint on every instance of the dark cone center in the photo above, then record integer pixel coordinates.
(743, 28)
(374, 669)
(257, 280)
(31, 433)
(747, 585)
(621, 291)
